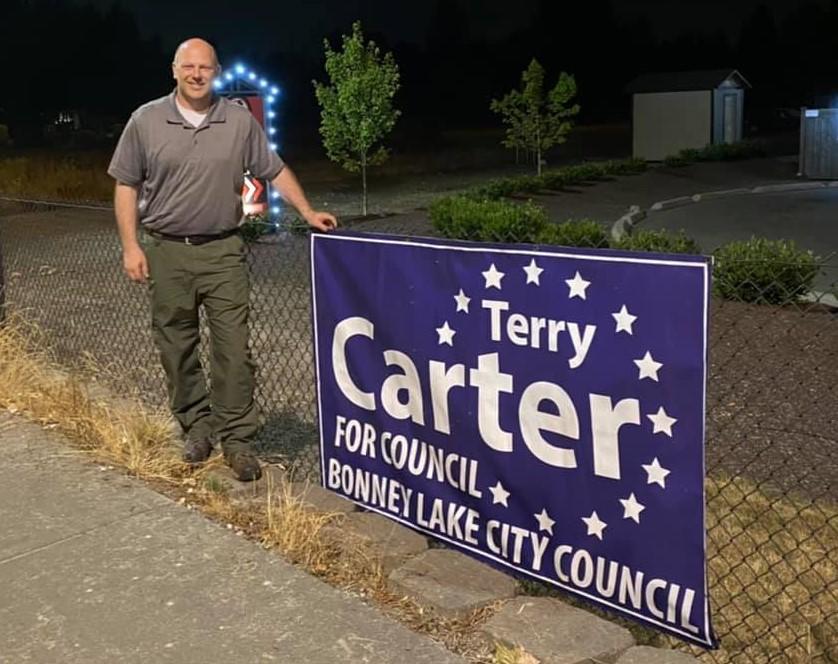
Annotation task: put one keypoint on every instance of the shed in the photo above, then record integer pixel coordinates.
(819, 143)
(679, 110)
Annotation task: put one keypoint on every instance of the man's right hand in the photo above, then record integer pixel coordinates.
(135, 264)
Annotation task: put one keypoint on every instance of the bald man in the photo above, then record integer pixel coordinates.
(179, 169)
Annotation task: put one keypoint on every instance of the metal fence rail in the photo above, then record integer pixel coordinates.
(772, 446)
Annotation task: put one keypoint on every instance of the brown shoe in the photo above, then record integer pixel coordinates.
(197, 451)
(245, 465)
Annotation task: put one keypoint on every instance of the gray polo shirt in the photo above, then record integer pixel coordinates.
(190, 178)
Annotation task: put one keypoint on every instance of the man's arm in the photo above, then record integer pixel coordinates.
(133, 258)
(289, 188)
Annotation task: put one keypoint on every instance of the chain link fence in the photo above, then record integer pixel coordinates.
(772, 444)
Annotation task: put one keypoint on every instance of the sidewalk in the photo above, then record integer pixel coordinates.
(97, 568)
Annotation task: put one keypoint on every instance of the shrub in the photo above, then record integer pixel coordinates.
(466, 218)
(575, 233)
(554, 179)
(625, 167)
(493, 190)
(660, 241)
(763, 271)
(717, 152)
(675, 162)
(253, 228)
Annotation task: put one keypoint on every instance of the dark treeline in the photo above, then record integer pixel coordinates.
(60, 56)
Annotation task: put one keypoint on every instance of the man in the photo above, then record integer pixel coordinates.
(179, 169)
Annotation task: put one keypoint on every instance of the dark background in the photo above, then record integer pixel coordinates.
(101, 59)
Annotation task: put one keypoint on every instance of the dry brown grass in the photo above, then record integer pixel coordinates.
(125, 433)
(773, 572)
(121, 433)
(772, 567)
(517, 655)
(53, 176)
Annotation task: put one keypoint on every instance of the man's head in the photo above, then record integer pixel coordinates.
(195, 67)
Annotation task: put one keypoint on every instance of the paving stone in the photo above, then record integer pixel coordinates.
(451, 583)
(272, 477)
(392, 541)
(557, 633)
(647, 655)
(321, 500)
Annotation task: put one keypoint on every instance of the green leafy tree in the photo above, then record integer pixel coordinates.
(356, 107)
(536, 119)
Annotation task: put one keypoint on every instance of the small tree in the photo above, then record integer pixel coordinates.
(537, 120)
(356, 108)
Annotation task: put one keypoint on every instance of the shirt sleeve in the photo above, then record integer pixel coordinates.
(128, 161)
(259, 158)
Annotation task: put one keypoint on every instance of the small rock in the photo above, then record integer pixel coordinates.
(647, 655)
(393, 542)
(272, 476)
(557, 633)
(321, 500)
(451, 583)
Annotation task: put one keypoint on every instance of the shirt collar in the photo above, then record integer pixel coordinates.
(217, 111)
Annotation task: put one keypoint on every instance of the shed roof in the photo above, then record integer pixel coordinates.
(686, 81)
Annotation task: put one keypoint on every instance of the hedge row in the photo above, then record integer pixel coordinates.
(555, 179)
(758, 270)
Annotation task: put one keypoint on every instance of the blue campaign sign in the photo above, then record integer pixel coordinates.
(539, 408)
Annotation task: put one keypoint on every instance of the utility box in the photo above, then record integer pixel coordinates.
(819, 143)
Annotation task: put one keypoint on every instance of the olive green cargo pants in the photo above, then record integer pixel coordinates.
(184, 277)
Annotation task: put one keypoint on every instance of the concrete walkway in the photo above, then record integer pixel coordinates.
(97, 568)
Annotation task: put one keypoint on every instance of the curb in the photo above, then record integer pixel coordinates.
(672, 203)
(797, 186)
(723, 193)
(625, 224)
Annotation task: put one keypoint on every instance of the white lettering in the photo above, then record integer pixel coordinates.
(441, 383)
(532, 420)
(344, 331)
(407, 382)
(490, 382)
(582, 345)
(605, 424)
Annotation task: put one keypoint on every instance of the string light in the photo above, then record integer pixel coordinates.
(243, 79)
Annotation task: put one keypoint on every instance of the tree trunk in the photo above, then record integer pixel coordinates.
(364, 183)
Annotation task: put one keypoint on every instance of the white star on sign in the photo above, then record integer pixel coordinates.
(662, 422)
(648, 367)
(595, 526)
(631, 508)
(656, 473)
(462, 301)
(499, 494)
(624, 320)
(533, 272)
(545, 523)
(446, 334)
(493, 277)
(577, 286)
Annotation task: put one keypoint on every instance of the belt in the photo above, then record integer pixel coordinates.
(192, 239)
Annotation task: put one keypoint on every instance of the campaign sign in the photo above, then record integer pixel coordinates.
(540, 408)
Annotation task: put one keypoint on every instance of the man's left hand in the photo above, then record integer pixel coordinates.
(322, 221)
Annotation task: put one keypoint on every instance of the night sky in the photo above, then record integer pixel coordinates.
(300, 26)
(102, 59)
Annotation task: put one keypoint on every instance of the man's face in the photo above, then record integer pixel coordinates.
(194, 70)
